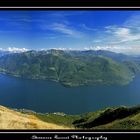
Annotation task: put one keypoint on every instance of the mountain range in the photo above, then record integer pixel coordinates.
(72, 68)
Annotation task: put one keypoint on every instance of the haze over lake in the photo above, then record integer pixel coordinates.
(47, 96)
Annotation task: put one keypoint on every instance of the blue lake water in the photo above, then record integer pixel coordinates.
(47, 96)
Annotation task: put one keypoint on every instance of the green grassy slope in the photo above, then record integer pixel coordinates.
(110, 118)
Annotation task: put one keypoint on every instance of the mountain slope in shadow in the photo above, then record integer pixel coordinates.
(111, 118)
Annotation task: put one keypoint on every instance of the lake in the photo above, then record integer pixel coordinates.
(47, 96)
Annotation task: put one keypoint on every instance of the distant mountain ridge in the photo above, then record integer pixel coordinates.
(110, 54)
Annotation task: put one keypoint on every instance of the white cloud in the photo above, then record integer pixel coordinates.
(14, 49)
(133, 21)
(84, 26)
(97, 41)
(64, 29)
(130, 50)
(125, 34)
(122, 34)
(128, 32)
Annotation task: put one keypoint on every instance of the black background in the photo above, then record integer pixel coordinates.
(27, 135)
(69, 3)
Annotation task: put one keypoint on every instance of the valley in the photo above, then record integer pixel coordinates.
(96, 81)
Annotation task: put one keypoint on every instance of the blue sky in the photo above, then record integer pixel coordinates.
(117, 31)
